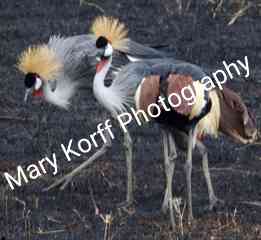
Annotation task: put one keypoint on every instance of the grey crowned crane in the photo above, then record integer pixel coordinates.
(144, 83)
(54, 70)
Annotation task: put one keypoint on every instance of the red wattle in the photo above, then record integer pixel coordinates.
(38, 93)
(100, 65)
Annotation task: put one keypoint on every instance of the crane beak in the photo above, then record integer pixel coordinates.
(27, 92)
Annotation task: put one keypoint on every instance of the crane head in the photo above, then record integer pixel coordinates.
(104, 47)
(110, 32)
(104, 52)
(33, 84)
(236, 119)
(40, 65)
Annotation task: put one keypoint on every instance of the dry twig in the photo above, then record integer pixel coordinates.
(11, 118)
(23, 203)
(85, 2)
(253, 203)
(41, 232)
(239, 13)
(82, 219)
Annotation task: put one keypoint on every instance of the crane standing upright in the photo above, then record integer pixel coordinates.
(143, 83)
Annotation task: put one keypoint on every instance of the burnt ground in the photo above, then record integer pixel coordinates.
(30, 132)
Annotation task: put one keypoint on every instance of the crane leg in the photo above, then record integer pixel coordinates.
(128, 147)
(173, 152)
(212, 197)
(169, 151)
(172, 155)
(188, 171)
(65, 180)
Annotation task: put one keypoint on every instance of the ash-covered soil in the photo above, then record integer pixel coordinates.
(29, 132)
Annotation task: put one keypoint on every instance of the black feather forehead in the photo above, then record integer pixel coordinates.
(30, 79)
(101, 42)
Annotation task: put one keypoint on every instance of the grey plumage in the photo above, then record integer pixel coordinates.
(139, 51)
(77, 56)
(128, 78)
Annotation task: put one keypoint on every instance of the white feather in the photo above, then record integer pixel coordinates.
(38, 83)
(119, 96)
(137, 95)
(70, 52)
(109, 97)
(62, 94)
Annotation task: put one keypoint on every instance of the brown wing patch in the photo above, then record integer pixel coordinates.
(235, 120)
(235, 102)
(149, 91)
(176, 83)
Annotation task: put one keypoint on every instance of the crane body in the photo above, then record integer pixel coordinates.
(141, 84)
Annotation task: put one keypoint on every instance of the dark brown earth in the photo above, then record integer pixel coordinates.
(30, 132)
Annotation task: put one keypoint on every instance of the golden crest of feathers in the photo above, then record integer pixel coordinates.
(40, 59)
(112, 29)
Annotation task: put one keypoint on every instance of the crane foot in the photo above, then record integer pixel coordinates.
(214, 201)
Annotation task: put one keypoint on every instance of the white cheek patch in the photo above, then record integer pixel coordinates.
(108, 50)
(38, 84)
